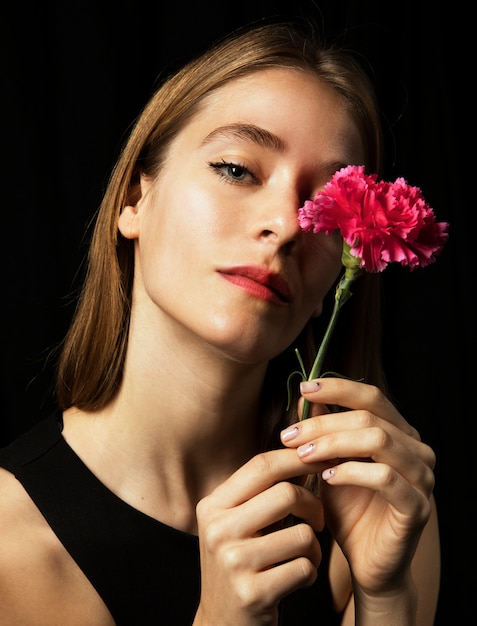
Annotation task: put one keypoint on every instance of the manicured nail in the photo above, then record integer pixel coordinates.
(305, 450)
(289, 433)
(328, 473)
(309, 385)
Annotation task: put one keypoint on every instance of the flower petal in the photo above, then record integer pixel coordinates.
(382, 222)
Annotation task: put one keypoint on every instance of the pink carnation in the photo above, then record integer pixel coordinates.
(382, 222)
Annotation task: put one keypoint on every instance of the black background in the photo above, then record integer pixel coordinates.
(74, 75)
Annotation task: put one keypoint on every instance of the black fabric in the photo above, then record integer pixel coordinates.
(146, 572)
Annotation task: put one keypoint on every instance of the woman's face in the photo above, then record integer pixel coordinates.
(219, 251)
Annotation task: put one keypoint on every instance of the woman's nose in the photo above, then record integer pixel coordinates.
(278, 223)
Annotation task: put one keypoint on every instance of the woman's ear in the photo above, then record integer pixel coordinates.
(128, 222)
(129, 218)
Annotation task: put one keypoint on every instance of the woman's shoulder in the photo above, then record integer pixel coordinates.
(39, 582)
(14, 502)
(24, 548)
(18, 513)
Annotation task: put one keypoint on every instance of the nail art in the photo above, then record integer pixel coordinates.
(309, 385)
(328, 473)
(290, 433)
(306, 449)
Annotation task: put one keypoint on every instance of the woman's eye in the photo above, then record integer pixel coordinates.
(233, 172)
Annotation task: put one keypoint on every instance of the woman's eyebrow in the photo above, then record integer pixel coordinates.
(247, 132)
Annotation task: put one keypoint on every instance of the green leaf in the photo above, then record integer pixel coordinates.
(295, 373)
(300, 361)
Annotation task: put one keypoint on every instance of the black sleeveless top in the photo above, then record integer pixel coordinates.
(147, 573)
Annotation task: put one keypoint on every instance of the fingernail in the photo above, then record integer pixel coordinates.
(305, 450)
(328, 473)
(309, 385)
(289, 433)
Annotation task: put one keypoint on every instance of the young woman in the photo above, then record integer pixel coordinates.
(173, 486)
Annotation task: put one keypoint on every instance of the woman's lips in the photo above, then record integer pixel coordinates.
(259, 282)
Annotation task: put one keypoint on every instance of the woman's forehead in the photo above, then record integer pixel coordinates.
(260, 81)
(276, 106)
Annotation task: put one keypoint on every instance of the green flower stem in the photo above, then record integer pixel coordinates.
(342, 295)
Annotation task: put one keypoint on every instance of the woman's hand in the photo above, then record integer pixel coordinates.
(249, 559)
(376, 479)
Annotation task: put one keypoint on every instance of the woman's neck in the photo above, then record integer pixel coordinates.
(179, 426)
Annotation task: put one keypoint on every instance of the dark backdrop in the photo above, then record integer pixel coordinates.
(75, 74)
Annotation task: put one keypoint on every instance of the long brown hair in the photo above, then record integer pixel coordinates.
(92, 355)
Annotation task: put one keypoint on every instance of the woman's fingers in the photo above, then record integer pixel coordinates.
(262, 471)
(278, 502)
(354, 395)
(256, 501)
(261, 570)
(369, 429)
(383, 479)
(358, 434)
(263, 552)
(247, 554)
(285, 560)
(376, 475)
